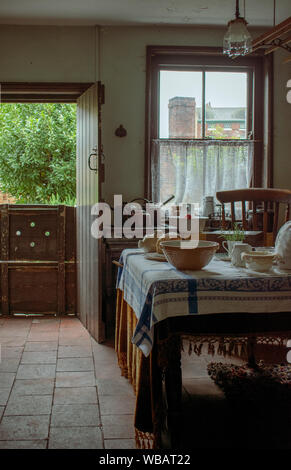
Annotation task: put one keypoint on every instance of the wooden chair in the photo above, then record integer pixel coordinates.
(263, 202)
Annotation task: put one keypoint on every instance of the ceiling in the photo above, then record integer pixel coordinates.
(139, 12)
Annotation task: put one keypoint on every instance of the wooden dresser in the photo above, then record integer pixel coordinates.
(111, 250)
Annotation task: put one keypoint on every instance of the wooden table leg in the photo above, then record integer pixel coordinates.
(251, 352)
(173, 386)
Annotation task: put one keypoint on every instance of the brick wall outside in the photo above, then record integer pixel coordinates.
(182, 117)
(6, 199)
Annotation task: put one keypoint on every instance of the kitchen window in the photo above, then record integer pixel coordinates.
(204, 126)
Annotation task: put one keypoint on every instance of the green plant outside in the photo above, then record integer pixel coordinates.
(38, 152)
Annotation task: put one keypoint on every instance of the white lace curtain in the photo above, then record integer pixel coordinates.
(193, 169)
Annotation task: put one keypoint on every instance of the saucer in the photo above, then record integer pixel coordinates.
(223, 257)
(155, 256)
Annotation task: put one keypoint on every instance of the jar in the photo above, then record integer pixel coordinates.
(208, 206)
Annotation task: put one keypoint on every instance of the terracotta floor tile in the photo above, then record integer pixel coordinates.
(69, 324)
(11, 353)
(9, 365)
(24, 427)
(45, 325)
(74, 351)
(47, 331)
(75, 438)
(6, 379)
(114, 405)
(70, 396)
(46, 320)
(119, 444)
(75, 415)
(4, 394)
(40, 357)
(75, 379)
(23, 444)
(33, 387)
(117, 386)
(74, 333)
(107, 371)
(35, 371)
(11, 342)
(28, 405)
(75, 364)
(41, 346)
(118, 426)
(42, 337)
(14, 333)
(68, 341)
(108, 355)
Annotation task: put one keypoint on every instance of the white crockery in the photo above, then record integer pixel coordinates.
(237, 251)
(283, 246)
(261, 261)
(228, 245)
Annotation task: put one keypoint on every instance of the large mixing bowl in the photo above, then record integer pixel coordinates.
(183, 256)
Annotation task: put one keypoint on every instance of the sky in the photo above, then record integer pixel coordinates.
(222, 89)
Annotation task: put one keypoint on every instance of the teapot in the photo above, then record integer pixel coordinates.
(149, 242)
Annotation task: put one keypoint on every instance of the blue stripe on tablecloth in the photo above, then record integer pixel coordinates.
(142, 339)
(192, 299)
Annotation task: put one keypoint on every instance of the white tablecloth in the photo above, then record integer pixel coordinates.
(156, 290)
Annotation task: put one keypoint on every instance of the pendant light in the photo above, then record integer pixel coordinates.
(237, 40)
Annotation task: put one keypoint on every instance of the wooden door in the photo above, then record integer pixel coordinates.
(88, 248)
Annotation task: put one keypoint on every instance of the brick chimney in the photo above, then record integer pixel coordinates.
(182, 117)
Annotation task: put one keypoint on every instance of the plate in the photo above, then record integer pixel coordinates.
(155, 256)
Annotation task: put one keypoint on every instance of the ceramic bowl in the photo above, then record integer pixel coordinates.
(260, 261)
(183, 256)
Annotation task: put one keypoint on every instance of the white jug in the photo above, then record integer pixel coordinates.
(237, 251)
(283, 246)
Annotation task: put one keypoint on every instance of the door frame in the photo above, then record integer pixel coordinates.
(59, 92)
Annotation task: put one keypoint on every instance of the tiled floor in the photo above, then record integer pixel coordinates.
(60, 389)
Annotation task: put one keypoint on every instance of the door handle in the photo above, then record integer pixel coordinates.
(94, 153)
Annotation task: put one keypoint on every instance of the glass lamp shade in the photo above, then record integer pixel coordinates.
(237, 40)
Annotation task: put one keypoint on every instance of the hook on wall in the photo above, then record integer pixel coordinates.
(120, 131)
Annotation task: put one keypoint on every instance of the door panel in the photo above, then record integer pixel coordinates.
(88, 275)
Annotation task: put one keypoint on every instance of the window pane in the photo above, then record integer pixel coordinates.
(180, 96)
(225, 105)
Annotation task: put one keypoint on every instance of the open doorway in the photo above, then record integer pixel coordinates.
(45, 126)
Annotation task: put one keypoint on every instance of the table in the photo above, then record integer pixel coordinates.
(158, 306)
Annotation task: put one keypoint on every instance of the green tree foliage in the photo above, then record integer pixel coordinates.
(38, 152)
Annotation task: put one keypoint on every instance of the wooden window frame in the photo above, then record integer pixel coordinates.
(191, 58)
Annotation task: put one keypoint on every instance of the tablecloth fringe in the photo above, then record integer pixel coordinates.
(228, 345)
(144, 440)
